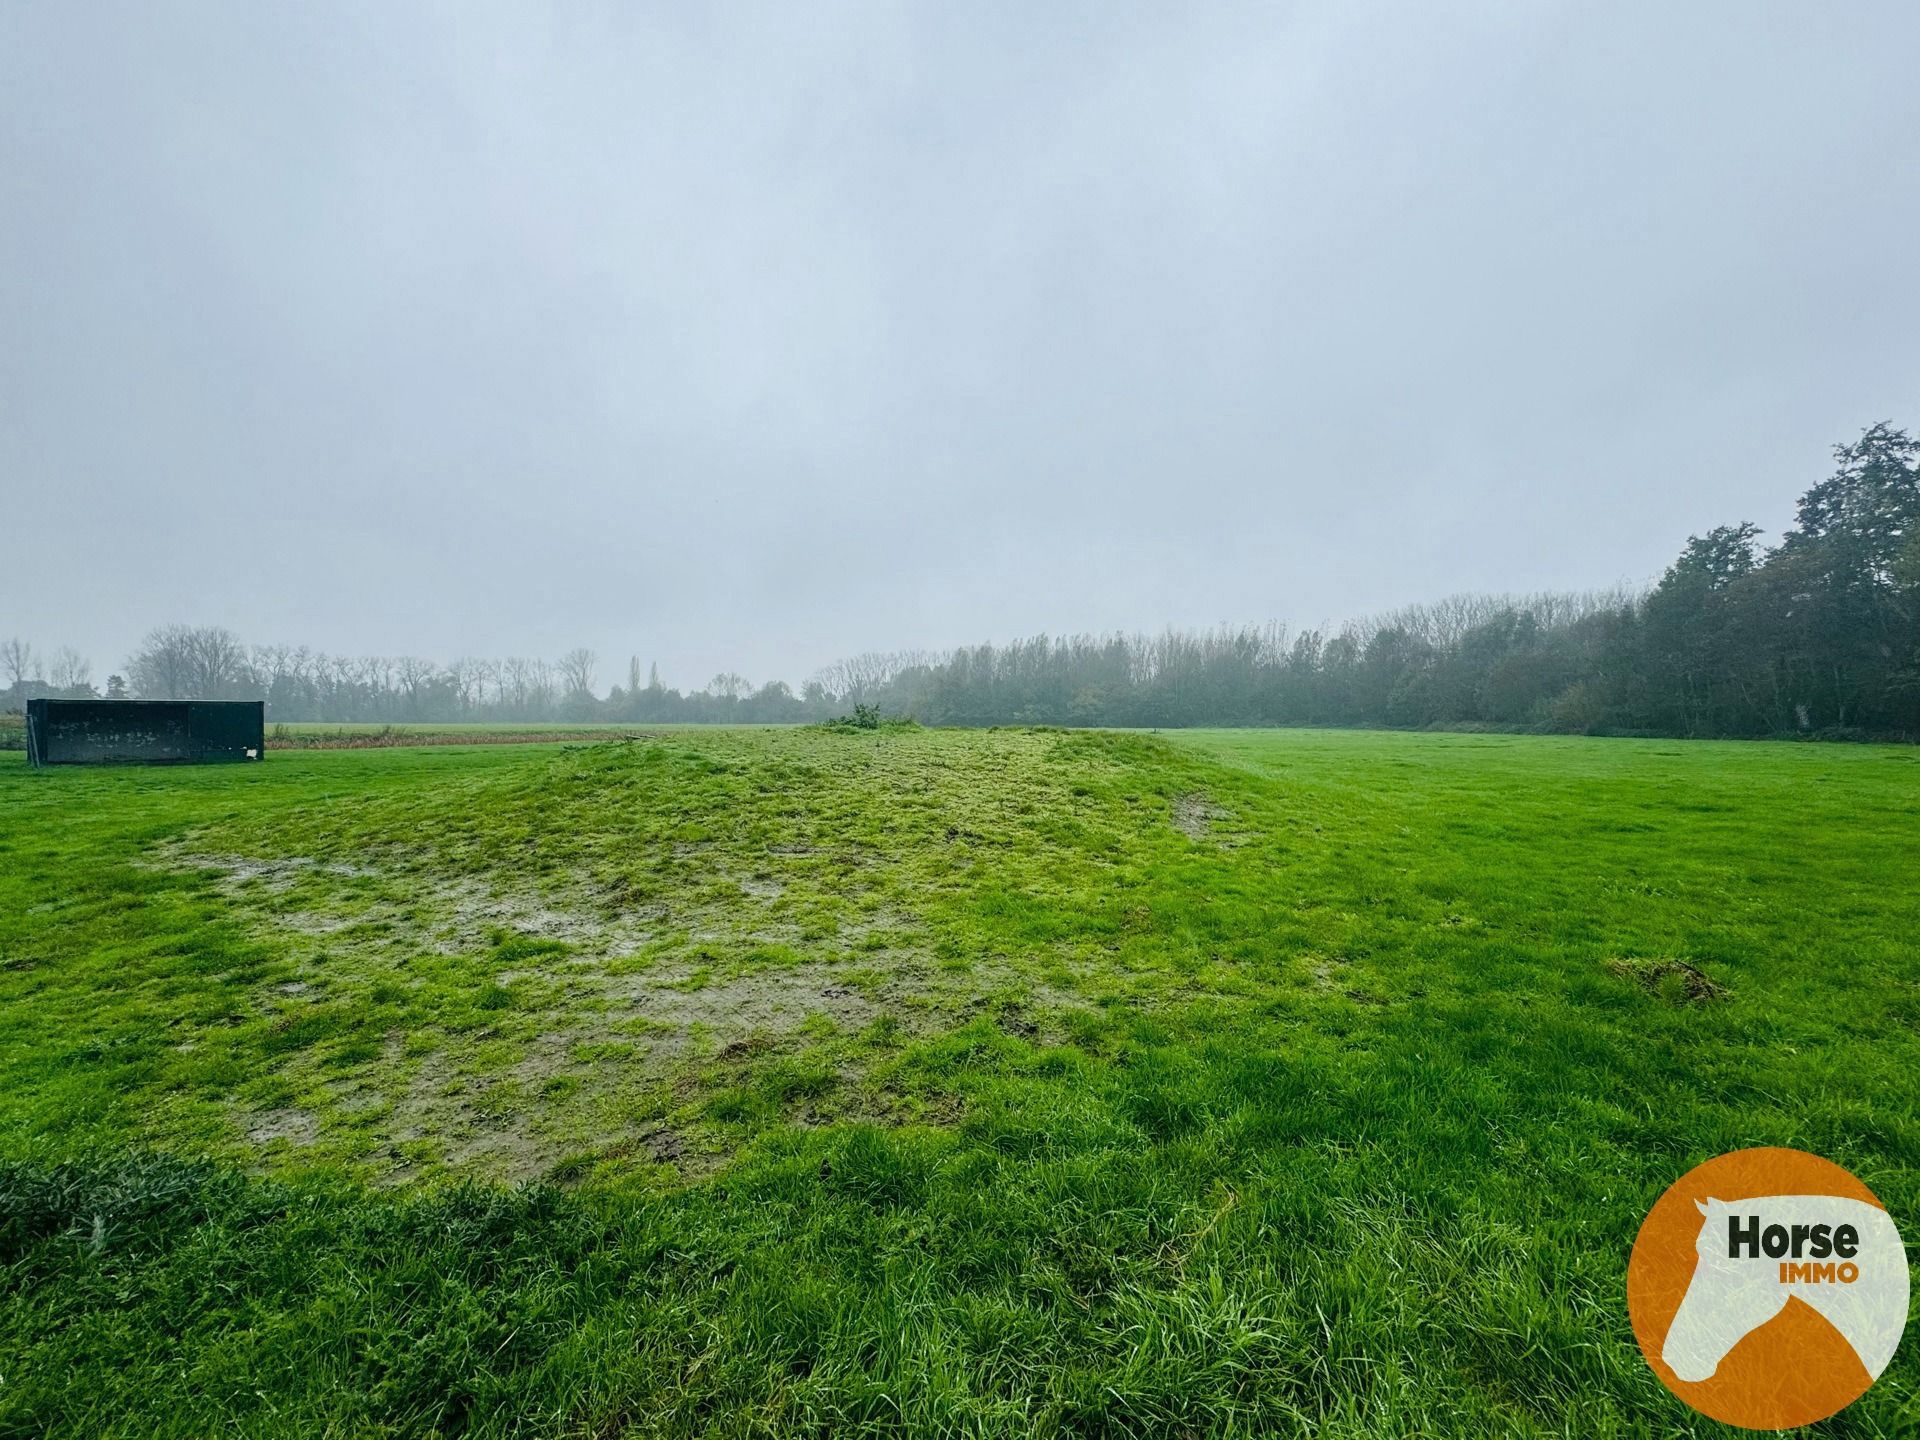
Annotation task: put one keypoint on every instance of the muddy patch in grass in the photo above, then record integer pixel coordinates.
(392, 904)
(309, 897)
(309, 922)
(623, 1078)
(567, 1105)
(1196, 817)
(770, 1003)
(471, 914)
(634, 994)
(449, 1115)
(1339, 977)
(294, 1127)
(237, 874)
(779, 1000)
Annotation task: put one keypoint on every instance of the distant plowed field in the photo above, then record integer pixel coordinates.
(373, 737)
(996, 1082)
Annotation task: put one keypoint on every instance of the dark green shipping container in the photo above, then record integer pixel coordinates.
(145, 732)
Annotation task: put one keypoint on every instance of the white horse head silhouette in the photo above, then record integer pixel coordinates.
(1737, 1288)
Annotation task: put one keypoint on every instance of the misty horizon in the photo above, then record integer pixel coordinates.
(613, 671)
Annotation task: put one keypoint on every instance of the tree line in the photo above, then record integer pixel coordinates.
(1817, 635)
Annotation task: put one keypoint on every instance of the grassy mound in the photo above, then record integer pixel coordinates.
(924, 1081)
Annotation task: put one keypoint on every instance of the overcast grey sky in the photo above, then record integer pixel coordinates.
(749, 337)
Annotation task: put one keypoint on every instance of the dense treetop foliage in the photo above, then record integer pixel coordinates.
(1819, 634)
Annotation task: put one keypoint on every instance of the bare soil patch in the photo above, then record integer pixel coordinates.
(296, 1127)
(1195, 817)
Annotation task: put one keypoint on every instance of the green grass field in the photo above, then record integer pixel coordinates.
(793, 1082)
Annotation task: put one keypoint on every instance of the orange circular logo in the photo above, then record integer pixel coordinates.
(1768, 1288)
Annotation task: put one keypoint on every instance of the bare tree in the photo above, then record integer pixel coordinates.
(376, 673)
(467, 678)
(190, 662)
(540, 692)
(576, 672)
(160, 669)
(486, 680)
(416, 678)
(270, 662)
(859, 676)
(16, 658)
(70, 670)
(728, 686)
(343, 680)
(516, 682)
